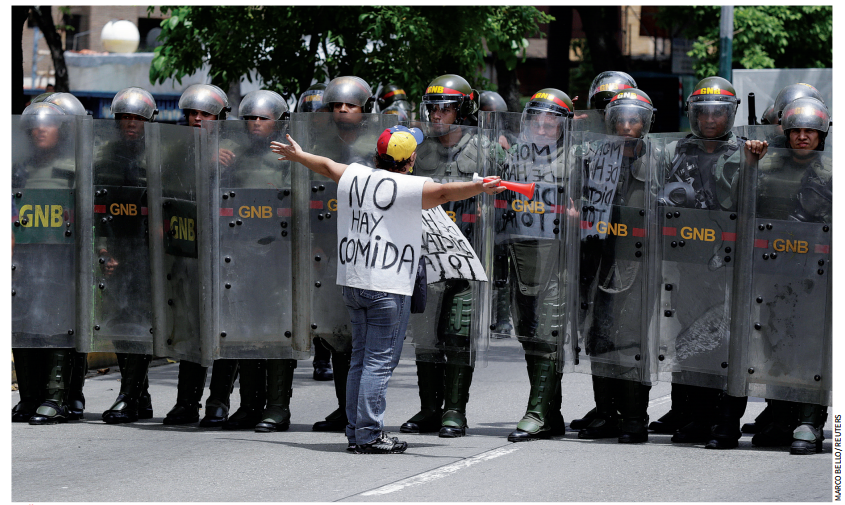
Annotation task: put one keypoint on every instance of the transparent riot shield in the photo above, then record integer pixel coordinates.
(588, 121)
(47, 163)
(610, 253)
(179, 242)
(350, 139)
(695, 243)
(117, 293)
(783, 318)
(528, 267)
(251, 253)
(454, 328)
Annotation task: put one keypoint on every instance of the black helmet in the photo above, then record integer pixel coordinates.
(391, 94)
(625, 110)
(398, 110)
(136, 101)
(714, 99)
(264, 104)
(207, 98)
(350, 89)
(606, 84)
(311, 99)
(806, 112)
(545, 112)
(793, 92)
(492, 101)
(67, 102)
(449, 89)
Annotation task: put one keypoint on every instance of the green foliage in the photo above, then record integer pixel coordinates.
(764, 36)
(291, 46)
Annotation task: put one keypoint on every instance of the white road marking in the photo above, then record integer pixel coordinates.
(441, 472)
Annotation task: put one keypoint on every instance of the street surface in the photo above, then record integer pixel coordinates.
(146, 461)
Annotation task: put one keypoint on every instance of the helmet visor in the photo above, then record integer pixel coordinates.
(440, 114)
(711, 119)
(541, 126)
(628, 120)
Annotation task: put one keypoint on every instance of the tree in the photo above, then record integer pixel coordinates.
(764, 36)
(43, 17)
(288, 47)
(19, 15)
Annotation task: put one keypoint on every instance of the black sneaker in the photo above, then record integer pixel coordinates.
(352, 447)
(382, 445)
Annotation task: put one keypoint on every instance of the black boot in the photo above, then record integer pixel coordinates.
(133, 381)
(75, 398)
(760, 421)
(703, 404)
(606, 422)
(726, 432)
(336, 421)
(322, 361)
(54, 409)
(782, 419)
(809, 435)
(431, 382)
(545, 385)
(632, 399)
(253, 389)
(678, 415)
(29, 369)
(579, 424)
(223, 375)
(453, 423)
(189, 388)
(276, 415)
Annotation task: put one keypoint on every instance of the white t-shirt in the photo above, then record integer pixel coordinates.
(379, 228)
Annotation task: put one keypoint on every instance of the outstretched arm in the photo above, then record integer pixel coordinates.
(318, 164)
(435, 194)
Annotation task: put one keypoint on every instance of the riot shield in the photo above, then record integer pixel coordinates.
(179, 242)
(528, 261)
(117, 266)
(783, 319)
(588, 121)
(695, 243)
(350, 142)
(609, 250)
(47, 165)
(251, 253)
(454, 327)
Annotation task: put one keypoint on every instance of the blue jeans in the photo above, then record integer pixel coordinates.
(379, 321)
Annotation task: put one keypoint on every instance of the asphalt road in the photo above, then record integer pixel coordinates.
(147, 461)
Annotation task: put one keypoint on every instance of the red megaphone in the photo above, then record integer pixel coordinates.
(520, 187)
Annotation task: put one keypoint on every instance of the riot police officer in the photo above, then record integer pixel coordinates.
(348, 99)
(122, 162)
(49, 393)
(311, 100)
(447, 115)
(204, 102)
(609, 281)
(535, 294)
(492, 101)
(602, 89)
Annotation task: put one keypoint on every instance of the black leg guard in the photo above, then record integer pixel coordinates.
(253, 389)
(276, 415)
(431, 383)
(130, 406)
(809, 435)
(189, 388)
(632, 399)
(453, 423)
(678, 415)
(75, 398)
(29, 368)
(703, 405)
(54, 409)
(782, 419)
(322, 363)
(336, 421)
(726, 432)
(545, 388)
(223, 375)
(760, 422)
(606, 422)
